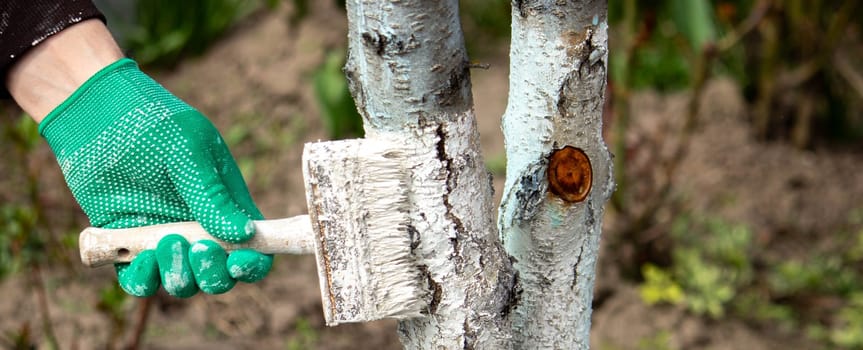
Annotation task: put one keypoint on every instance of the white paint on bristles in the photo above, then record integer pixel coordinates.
(366, 268)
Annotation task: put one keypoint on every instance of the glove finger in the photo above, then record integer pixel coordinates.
(249, 266)
(140, 277)
(234, 182)
(209, 264)
(210, 202)
(172, 256)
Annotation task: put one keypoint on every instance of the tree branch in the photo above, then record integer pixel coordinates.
(558, 66)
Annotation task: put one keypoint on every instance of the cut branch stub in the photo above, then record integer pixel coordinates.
(569, 174)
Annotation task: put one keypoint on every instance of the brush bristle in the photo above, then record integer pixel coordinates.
(396, 280)
(357, 192)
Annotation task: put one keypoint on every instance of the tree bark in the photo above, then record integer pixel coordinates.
(408, 72)
(558, 69)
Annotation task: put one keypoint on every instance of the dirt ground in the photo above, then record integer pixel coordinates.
(255, 85)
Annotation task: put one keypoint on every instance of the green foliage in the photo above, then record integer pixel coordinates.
(855, 219)
(112, 302)
(713, 272)
(305, 336)
(491, 17)
(259, 139)
(826, 275)
(664, 39)
(485, 23)
(819, 274)
(237, 133)
(272, 3)
(659, 286)
(24, 233)
(754, 304)
(823, 273)
(694, 19)
(711, 263)
(21, 241)
(19, 245)
(849, 331)
(301, 10)
(708, 288)
(166, 30)
(18, 219)
(657, 41)
(796, 48)
(496, 164)
(24, 134)
(659, 341)
(240, 133)
(661, 64)
(22, 339)
(338, 110)
(291, 134)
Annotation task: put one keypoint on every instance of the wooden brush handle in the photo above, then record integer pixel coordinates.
(100, 246)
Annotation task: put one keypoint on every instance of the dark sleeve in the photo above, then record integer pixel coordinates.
(26, 23)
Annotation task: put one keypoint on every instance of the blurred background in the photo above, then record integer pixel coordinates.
(737, 223)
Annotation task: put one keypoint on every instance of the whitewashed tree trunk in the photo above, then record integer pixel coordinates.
(409, 75)
(408, 72)
(557, 79)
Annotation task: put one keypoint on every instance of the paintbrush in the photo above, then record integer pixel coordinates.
(357, 196)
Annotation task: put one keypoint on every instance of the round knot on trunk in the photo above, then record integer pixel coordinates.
(569, 174)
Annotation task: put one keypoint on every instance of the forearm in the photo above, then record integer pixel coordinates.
(50, 72)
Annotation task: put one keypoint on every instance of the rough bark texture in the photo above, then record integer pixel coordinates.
(408, 73)
(557, 85)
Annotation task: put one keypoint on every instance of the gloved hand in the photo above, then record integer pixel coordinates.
(133, 154)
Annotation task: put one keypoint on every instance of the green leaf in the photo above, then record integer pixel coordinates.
(847, 333)
(337, 107)
(695, 19)
(25, 133)
(659, 287)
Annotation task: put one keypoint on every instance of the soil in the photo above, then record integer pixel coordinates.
(255, 85)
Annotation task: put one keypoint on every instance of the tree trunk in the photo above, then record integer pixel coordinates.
(408, 72)
(558, 174)
(409, 75)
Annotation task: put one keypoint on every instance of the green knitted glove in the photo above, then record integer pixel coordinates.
(133, 154)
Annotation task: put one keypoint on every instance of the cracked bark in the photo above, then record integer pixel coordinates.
(558, 68)
(408, 72)
(518, 284)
